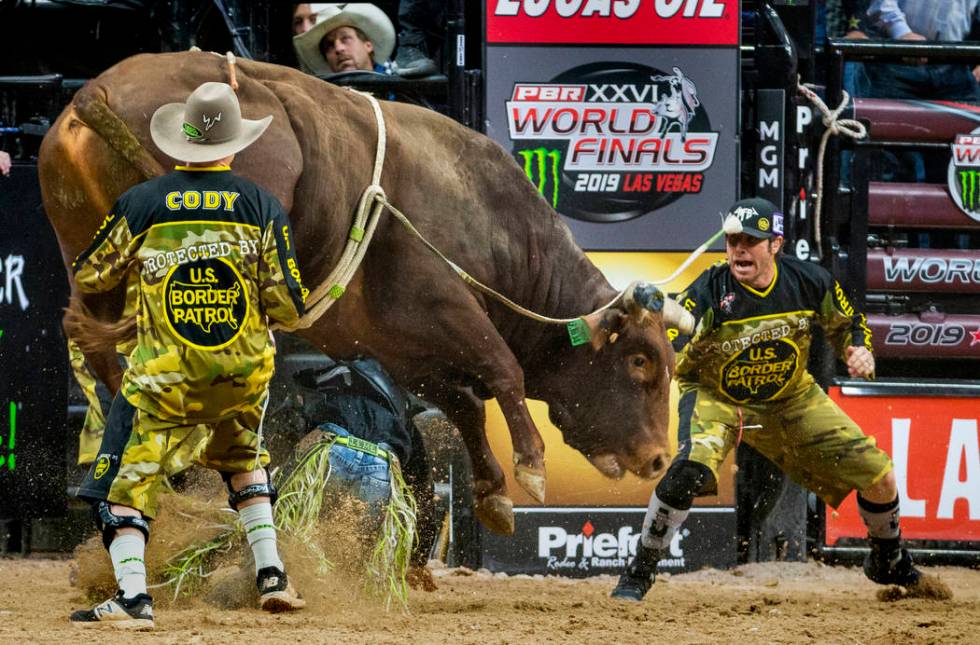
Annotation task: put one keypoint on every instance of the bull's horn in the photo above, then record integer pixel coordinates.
(677, 316)
(643, 296)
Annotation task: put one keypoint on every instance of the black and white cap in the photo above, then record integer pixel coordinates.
(755, 216)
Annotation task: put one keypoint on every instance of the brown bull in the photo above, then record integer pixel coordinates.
(405, 306)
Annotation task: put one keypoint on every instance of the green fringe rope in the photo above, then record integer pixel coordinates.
(297, 513)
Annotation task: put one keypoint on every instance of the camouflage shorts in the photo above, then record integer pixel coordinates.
(139, 452)
(808, 437)
(90, 438)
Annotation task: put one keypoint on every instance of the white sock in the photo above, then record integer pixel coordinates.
(261, 534)
(660, 524)
(126, 552)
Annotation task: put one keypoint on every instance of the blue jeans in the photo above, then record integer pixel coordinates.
(364, 476)
(925, 82)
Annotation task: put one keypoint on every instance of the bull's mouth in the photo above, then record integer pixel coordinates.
(609, 465)
(615, 467)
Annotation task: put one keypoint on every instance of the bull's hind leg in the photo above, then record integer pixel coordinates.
(493, 506)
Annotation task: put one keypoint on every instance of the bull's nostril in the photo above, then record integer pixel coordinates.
(659, 463)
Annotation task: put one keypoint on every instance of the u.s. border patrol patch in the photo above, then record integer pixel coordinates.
(101, 467)
(760, 372)
(206, 303)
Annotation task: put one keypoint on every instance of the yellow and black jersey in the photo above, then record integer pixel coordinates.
(752, 345)
(215, 260)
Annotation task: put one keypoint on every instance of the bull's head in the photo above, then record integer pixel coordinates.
(610, 395)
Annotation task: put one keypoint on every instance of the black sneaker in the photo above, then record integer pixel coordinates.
(118, 612)
(889, 564)
(412, 62)
(639, 575)
(276, 594)
(632, 587)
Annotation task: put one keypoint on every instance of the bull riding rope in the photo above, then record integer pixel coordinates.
(373, 202)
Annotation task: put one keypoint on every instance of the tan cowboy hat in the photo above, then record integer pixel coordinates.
(208, 127)
(368, 18)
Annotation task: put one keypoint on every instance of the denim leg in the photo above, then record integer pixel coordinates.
(361, 475)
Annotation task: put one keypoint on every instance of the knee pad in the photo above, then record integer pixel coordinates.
(235, 497)
(683, 482)
(108, 522)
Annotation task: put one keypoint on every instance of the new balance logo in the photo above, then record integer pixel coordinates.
(272, 581)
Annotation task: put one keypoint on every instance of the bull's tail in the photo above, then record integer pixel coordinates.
(91, 108)
(88, 159)
(95, 335)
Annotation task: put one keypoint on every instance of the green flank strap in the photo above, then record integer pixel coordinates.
(356, 233)
(336, 291)
(360, 445)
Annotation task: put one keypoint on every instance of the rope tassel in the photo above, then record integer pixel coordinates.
(835, 126)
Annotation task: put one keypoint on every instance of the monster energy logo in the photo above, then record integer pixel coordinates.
(536, 163)
(969, 185)
(191, 131)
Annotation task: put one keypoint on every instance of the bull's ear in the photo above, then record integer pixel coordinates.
(605, 326)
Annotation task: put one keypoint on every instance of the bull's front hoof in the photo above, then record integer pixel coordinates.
(531, 480)
(496, 512)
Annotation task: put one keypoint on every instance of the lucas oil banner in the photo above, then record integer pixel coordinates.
(634, 143)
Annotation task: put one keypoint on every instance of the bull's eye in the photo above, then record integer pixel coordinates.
(639, 361)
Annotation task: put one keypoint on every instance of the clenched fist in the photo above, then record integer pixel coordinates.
(860, 362)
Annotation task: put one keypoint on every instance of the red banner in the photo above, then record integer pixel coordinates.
(613, 22)
(935, 446)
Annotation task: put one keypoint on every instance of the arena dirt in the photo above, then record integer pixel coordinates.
(758, 603)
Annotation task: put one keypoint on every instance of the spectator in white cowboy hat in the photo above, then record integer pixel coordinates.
(346, 38)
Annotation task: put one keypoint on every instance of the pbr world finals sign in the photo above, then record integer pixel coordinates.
(623, 115)
(633, 143)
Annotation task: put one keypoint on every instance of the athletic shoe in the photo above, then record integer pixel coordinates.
(413, 63)
(890, 564)
(632, 587)
(276, 593)
(118, 612)
(639, 575)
